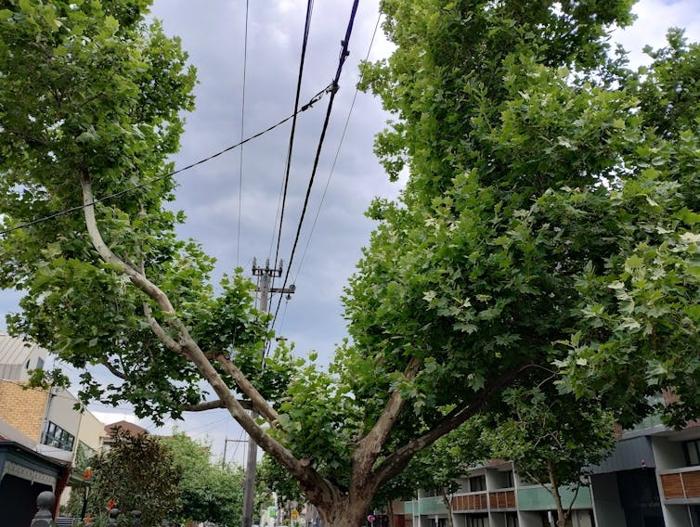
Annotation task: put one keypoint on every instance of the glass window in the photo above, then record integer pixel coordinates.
(692, 452)
(40, 364)
(509, 480)
(56, 436)
(477, 484)
(511, 519)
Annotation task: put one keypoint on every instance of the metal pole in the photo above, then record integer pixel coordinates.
(223, 459)
(252, 461)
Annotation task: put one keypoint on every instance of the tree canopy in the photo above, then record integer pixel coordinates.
(553, 440)
(549, 224)
(208, 492)
(137, 473)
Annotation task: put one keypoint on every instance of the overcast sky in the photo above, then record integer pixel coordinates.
(212, 33)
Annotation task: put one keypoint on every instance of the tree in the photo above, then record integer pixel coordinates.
(137, 473)
(208, 492)
(550, 217)
(439, 467)
(553, 440)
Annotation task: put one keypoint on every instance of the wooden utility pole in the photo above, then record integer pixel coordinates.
(265, 289)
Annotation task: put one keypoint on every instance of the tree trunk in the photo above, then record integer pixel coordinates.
(562, 513)
(448, 505)
(346, 511)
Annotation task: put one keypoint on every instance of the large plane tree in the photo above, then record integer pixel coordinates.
(549, 223)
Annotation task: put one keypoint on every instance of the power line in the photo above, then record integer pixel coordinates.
(334, 90)
(337, 153)
(240, 162)
(305, 41)
(114, 195)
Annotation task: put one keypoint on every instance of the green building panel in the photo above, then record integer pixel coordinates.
(425, 506)
(539, 499)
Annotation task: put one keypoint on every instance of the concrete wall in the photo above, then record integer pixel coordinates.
(23, 409)
(92, 430)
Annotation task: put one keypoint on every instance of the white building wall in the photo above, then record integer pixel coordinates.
(91, 431)
(668, 455)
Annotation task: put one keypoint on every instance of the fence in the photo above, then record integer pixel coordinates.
(44, 518)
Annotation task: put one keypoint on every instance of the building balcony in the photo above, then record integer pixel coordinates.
(502, 500)
(681, 486)
(472, 501)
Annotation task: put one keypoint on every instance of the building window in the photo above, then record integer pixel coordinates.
(510, 483)
(511, 519)
(692, 452)
(56, 436)
(477, 484)
(481, 520)
(39, 363)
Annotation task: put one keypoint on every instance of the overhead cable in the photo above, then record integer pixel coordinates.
(240, 161)
(302, 60)
(337, 154)
(145, 184)
(333, 90)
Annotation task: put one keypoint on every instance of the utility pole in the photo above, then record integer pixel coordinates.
(266, 274)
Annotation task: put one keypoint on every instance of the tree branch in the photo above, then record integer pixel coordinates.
(397, 461)
(301, 469)
(259, 404)
(113, 369)
(370, 446)
(159, 332)
(211, 405)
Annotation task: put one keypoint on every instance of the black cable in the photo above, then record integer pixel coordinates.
(334, 90)
(337, 154)
(302, 60)
(70, 210)
(240, 163)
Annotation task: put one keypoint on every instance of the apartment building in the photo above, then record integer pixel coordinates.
(651, 479)
(47, 417)
(494, 495)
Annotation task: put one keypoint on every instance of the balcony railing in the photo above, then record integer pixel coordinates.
(502, 499)
(681, 484)
(473, 501)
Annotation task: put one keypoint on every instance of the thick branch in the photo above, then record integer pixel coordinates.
(258, 401)
(397, 461)
(301, 469)
(159, 332)
(108, 256)
(369, 447)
